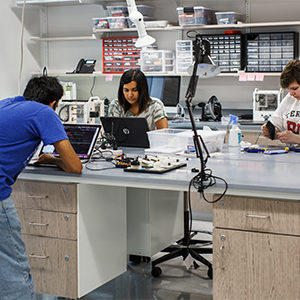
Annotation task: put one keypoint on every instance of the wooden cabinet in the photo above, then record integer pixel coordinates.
(70, 231)
(256, 249)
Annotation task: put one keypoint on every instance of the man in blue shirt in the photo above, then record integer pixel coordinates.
(25, 121)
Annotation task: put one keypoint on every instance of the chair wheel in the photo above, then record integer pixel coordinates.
(156, 272)
(210, 273)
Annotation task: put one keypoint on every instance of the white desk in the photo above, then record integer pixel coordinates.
(249, 176)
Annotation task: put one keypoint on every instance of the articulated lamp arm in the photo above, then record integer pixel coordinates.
(137, 18)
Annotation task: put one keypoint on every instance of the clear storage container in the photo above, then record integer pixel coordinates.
(117, 22)
(100, 23)
(198, 15)
(145, 10)
(228, 17)
(157, 61)
(181, 139)
(117, 11)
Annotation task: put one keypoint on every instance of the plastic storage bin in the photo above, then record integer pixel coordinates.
(117, 11)
(180, 139)
(117, 22)
(145, 10)
(157, 61)
(227, 17)
(198, 15)
(184, 55)
(100, 23)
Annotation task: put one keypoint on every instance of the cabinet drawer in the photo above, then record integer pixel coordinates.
(46, 196)
(50, 224)
(53, 265)
(257, 214)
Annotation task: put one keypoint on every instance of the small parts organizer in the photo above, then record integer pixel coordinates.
(120, 54)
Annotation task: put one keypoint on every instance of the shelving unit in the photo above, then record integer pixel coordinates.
(97, 32)
(100, 74)
(64, 2)
(207, 27)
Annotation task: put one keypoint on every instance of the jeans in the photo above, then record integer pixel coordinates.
(15, 279)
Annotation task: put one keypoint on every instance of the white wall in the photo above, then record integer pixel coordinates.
(77, 20)
(10, 49)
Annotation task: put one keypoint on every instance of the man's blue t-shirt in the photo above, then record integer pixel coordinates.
(23, 124)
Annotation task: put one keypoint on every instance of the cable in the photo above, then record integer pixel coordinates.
(22, 49)
(93, 85)
(201, 183)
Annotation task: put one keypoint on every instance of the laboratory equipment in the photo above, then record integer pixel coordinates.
(81, 111)
(265, 102)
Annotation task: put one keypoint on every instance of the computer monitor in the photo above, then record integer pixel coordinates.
(167, 89)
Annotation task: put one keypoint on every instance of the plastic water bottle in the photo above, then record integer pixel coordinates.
(235, 134)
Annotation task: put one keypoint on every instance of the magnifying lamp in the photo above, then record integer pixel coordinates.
(202, 67)
(137, 18)
(206, 68)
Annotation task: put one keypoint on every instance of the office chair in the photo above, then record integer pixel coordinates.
(184, 247)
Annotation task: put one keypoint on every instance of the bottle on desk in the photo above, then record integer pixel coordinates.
(235, 135)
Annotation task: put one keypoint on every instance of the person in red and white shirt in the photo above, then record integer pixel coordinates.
(286, 118)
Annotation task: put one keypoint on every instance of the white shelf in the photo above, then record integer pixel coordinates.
(67, 38)
(215, 26)
(100, 74)
(62, 2)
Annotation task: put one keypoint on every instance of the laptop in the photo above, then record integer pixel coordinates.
(82, 137)
(128, 132)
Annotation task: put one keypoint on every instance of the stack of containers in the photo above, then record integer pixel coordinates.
(117, 16)
(184, 55)
(120, 54)
(270, 52)
(157, 61)
(198, 15)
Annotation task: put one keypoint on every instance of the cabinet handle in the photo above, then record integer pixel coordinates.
(38, 224)
(257, 216)
(221, 258)
(38, 256)
(37, 197)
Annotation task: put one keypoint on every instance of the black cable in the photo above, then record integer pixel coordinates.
(93, 85)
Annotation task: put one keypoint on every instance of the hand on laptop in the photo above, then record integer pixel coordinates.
(46, 158)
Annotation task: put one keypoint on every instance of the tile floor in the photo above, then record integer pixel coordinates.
(177, 282)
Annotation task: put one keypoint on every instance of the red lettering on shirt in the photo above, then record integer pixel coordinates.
(292, 126)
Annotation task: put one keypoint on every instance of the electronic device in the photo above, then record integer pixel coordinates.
(265, 103)
(85, 66)
(212, 110)
(81, 111)
(154, 164)
(128, 132)
(167, 89)
(271, 129)
(83, 139)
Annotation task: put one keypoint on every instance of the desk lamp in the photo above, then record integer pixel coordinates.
(203, 67)
(137, 18)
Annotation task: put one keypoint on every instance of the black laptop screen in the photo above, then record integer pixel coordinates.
(82, 138)
(128, 132)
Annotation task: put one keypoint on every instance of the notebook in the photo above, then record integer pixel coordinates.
(128, 132)
(82, 138)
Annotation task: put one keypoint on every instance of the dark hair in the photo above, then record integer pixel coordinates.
(43, 89)
(142, 87)
(290, 73)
